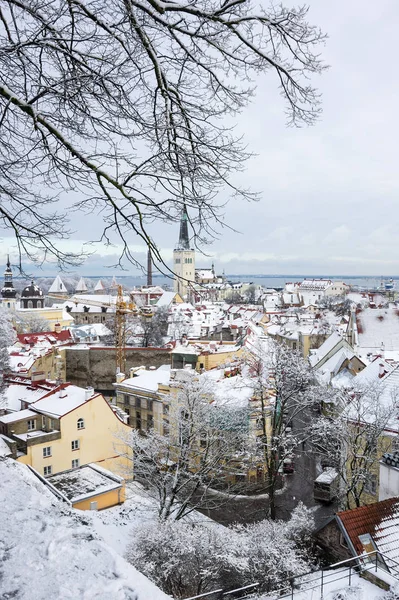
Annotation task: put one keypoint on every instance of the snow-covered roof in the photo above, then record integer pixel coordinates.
(72, 396)
(4, 447)
(327, 476)
(166, 299)
(378, 328)
(374, 371)
(81, 286)
(82, 483)
(18, 416)
(325, 348)
(149, 380)
(67, 557)
(99, 286)
(232, 392)
(16, 393)
(58, 286)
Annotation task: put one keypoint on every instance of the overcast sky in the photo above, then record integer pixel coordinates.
(330, 192)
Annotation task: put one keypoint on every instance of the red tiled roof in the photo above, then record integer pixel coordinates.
(380, 520)
(33, 338)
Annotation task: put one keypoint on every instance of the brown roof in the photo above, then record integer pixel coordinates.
(380, 520)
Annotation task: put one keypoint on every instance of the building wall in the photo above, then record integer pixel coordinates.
(389, 482)
(215, 359)
(96, 366)
(338, 288)
(99, 441)
(332, 542)
(52, 315)
(184, 270)
(106, 500)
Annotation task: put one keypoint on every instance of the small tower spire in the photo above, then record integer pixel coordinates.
(149, 268)
(184, 241)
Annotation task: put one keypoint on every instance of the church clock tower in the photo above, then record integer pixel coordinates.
(8, 291)
(183, 259)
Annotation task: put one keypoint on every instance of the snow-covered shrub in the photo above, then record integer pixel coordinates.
(301, 524)
(186, 559)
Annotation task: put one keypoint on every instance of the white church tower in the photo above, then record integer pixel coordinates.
(183, 259)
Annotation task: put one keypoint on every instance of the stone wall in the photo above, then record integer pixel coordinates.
(96, 366)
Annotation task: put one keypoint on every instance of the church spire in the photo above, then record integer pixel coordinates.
(184, 241)
(8, 291)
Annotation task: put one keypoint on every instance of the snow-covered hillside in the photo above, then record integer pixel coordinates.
(47, 550)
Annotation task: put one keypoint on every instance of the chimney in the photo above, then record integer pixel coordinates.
(382, 371)
(62, 393)
(57, 328)
(89, 391)
(120, 377)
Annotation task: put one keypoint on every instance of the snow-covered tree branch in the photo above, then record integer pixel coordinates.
(182, 468)
(121, 104)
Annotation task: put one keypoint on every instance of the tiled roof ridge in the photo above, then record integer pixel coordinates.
(369, 507)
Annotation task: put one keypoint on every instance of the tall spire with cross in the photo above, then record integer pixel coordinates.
(184, 240)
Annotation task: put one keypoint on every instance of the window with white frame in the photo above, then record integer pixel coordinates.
(75, 445)
(48, 470)
(46, 451)
(43, 422)
(31, 424)
(81, 424)
(75, 463)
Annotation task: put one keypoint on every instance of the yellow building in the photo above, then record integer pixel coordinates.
(88, 488)
(66, 429)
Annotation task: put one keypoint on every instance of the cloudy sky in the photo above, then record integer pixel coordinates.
(329, 193)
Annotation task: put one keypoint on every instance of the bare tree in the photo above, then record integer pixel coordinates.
(354, 437)
(31, 323)
(285, 393)
(7, 338)
(155, 328)
(121, 105)
(181, 468)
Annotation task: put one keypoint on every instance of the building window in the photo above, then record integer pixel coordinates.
(39, 304)
(31, 424)
(81, 424)
(75, 445)
(138, 420)
(177, 261)
(30, 304)
(75, 463)
(43, 422)
(50, 423)
(150, 422)
(48, 470)
(46, 451)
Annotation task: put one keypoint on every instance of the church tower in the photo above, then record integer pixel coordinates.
(8, 292)
(183, 259)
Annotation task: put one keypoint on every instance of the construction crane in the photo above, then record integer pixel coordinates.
(122, 308)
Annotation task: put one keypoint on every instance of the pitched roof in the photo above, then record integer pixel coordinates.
(45, 336)
(99, 285)
(58, 286)
(380, 520)
(81, 286)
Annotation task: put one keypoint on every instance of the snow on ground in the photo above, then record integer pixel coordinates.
(48, 550)
(115, 525)
(336, 586)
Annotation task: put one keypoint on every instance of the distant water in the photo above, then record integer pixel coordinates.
(268, 281)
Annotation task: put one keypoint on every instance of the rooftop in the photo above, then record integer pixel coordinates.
(90, 480)
(380, 520)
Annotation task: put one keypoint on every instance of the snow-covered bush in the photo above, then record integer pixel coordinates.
(186, 559)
